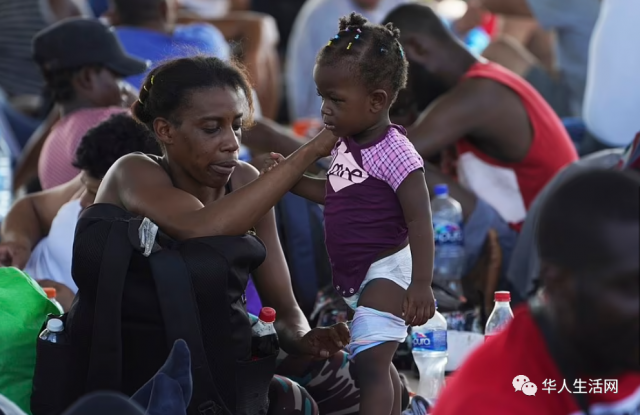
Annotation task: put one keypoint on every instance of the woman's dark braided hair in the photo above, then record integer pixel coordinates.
(373, 51)
(167, 87)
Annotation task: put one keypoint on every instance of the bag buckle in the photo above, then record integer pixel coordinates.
(210, 408)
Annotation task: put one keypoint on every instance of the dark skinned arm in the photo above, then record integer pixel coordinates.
(272, 278)
(414, 199)
(30, 218)
(450, 118)
(141, 186)
(268, 136)
(311, 188)
(515, 8)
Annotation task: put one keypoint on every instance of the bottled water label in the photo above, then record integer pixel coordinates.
(447, 233)
(431, 341)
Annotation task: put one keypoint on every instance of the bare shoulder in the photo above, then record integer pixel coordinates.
(138, 167)
(243, 174)
(131, 172)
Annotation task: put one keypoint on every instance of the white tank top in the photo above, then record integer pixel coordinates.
(51, 258)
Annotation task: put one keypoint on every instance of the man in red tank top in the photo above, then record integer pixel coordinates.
(509, 141)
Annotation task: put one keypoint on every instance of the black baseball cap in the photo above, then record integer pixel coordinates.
(77, 42)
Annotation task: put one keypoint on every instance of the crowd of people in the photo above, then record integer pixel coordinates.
(154, 147)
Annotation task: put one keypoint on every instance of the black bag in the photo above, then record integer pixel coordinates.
(130, 309)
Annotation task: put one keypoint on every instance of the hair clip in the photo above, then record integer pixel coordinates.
(348, 29)
(359, 31)
(349, 47)
(357, 37)
(152, 78)
(329, 44)
(401, 52)
(145, 88)
(383, 50)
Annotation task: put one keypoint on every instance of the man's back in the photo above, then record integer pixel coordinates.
(187, 40)
(484, 383)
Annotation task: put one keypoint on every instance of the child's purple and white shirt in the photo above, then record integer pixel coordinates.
(363, 216)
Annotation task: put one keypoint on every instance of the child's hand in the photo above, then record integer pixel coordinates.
(273, 160)
(419, 303)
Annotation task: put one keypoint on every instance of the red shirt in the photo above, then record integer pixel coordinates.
(510, 188)
(484, 383)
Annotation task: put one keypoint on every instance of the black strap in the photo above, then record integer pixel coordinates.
(105, 361)
(555, 350)
(181, 319)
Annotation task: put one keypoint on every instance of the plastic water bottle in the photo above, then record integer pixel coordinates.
(54, 333)
(449, 256)
(264, 342)
(501, 314)
(429, 344)
(6, 179)
(51, 295)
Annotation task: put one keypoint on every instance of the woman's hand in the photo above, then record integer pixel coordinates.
(324, 142)
(324, 342)
(270, 162)
(419, 303)
(13, 254)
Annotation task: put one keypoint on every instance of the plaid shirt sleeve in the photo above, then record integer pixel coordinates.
(392, 160)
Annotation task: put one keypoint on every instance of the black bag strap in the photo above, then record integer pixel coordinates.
(555, 350)
(181, 319)
(105, 361)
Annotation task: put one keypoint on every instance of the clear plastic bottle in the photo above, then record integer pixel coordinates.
(6, 179)
(449, 258)
(51, 295)
(500, 316)
(429, 348)
(54, 332)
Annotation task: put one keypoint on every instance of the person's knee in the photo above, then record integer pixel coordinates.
(373, 365)
(288, 398)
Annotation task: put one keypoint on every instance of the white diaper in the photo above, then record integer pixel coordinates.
(396, 267)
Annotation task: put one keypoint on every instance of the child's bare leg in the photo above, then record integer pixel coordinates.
(397, 390)
(373, 375)
(380, 389)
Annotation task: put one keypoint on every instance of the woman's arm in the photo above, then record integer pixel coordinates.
(141, 186)
(30, 218)
(272, 278)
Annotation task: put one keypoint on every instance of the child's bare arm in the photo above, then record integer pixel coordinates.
(310, 188)
(419, 305)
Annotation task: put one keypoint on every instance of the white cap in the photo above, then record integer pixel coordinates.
(55, 325)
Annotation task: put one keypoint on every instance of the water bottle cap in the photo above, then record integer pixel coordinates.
(441, 190)
(502, 296)
(267, 315)
(55, 325)
(51, 292)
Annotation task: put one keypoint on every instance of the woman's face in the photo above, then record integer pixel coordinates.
(204, 139)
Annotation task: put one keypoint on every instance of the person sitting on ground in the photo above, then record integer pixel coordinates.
(147, 29)
(197, 108)
(377, 213)
(577, 344)
(38, 231)
(509, 141)
(82, 62)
